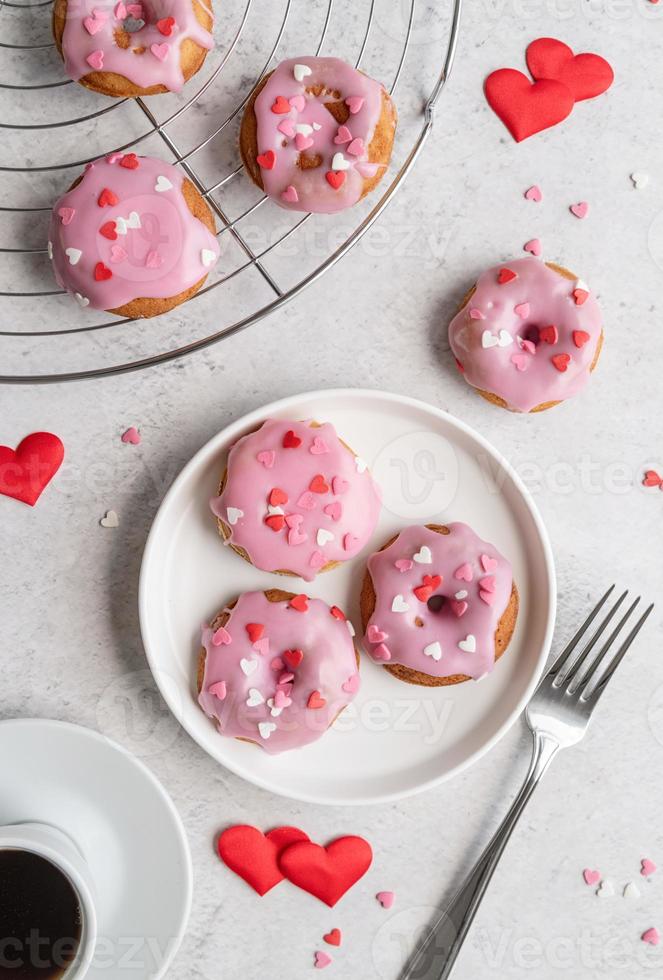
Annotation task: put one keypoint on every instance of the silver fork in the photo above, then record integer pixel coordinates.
(558, 716)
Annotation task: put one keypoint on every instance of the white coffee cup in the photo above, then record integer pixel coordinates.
(55, 846)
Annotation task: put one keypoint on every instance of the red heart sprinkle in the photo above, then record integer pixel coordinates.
(290, 440)
(275, 521)
(300, 603)
(338, 613)
(335, 178)
(580, 338)
(165, 26)
(102, 272)
(27, 470)
(433, 581)
(580, 296)
(108, 230)
(333, 937)
(130, 161)
(505, 275)
(327, 872)
(561, 361)
(254, 856)
(549, 335)
(277, 496)
(423, 592)
(267, 160)
(318, 485)
(293, 658)
(316, 700)
(255, 631)
(524, 107)
(280, 106)
(652, 479)
(107, 198)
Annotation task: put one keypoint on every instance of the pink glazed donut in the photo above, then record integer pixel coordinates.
(438, 605)
(132, 236)
(295, 499)
(277, 669)
(528, 335)
(317, 134)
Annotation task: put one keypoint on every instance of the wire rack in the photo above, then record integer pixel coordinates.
(52, 128)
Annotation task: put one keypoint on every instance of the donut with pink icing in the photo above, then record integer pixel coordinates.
(277, 669)
(132, 236)
(528, 335)
(438, 605)
(295, 499)
(124, 49)
(317, 134)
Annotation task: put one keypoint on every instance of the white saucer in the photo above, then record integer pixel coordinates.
(126, 827)
(430, 467)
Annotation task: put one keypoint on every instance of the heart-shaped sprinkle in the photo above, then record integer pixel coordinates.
(561, 361)
(207, 257)
(339, 485)
(463, 594)
(549, 334)
(423, 556)
(266, 457)
(96, 60)
(277, 496)
(487, 563)
(315, 701)
(66, 215)
(355, 104)
(162, 184)
(504, 338)
(255, 698)
(433, 650)
(335, 179)
(323, 537)
(333, 937)
(334, 510)
(290, 195)
(290, 440)
(522, 310)
(298, 103)
(133, 24)
(591, 876)
(631, 890)
(131, 435)
(464, 573)
(520, 360)
(505, 275)
(255, 631)
(533, 246)
(94, 24)
(318, 447)
(248, 666)
(342, 136)
(487, 583)
(303, 142)
(527, 345)
(488, 597)
(281, 699)
(338, 613)
(160, 51)
(218, 689)
(267, 160)
(301, 72)
(339, 162)
(110, 520)
(73, 254)
(307, 501)
(381, 652)
(403, 564)
(266, 728)
(166, 26)
(488, 340)
(280, 106)
(299, 602)
(317, 560)
(580, 296)
(350, 541)
(275, 521)
(375, 634)
(640, 180)
(233, 514)
(605, 890)
(102, 272)
(130, 161)
(109, 231)
(107, 198)
(458, 608)
(356, 148)
(120, 11)
(476, 314)
(651, 936)
(293, 658)
(153, 260)
(580, 338)
(287, 127)
(469, 644)
(652, 479)
(295, 537)
(318, 485)
(647, 868)
(321, 959)
(580, 210)
(81, 300)
(399, 605)
(277, 663)
(533, 193)
(221, 637)
(386, 899)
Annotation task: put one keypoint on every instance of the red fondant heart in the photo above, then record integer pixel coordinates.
(27, 470)
(102, 272)
(299, 602)
(254, 856)
(108, 231)
(255, 631)
(335, 178)
(290, 440)
(130, 161)
(327, 872)
(278, 496)
(524, 107)
(293, 658)
(333, 937)
(549, 334)
(585, 75)
(580, 338)
(107, 198)
(280, 106)
(267, 160)
(318, 485)
(275, 521)
(561, 361)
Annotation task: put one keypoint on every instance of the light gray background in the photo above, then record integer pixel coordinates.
(70, 636)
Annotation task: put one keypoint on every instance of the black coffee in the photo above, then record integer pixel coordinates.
(40, 918)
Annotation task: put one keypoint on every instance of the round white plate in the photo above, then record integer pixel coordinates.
(124, 823)
(397, 738)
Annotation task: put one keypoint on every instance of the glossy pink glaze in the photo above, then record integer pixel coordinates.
(308, 190)
(348, 509)
(329, 662)
(89, 34)
(392, 637)
(525, 375)
(164, 249)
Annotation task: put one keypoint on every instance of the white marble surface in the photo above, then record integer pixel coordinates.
(71, 647)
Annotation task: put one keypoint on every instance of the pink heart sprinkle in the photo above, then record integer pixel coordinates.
(458, 608)
(464, 573)
(386, 899)
(488, 597)
(533, 246)
(267, 457)
(375, 634)
(298, 102)
(221, 637)
(356, 148)
(528, 346)
(343, 135)
(281, 700)
(317, 559)
(476, 314)
(121, 11)
(287, 127)
(294, 520)
(520, 360)
(286, 677)
(334, 511)
(290, 195)
(277, 664)
(647, 868)
(96, 60)
(350, 541)
(114, 157)
(218, 689)
(354, 104)
(591, 877)
(303, 142)
(307, 500)
(487, 583)
(318, 447)
(262, 646)
(404, 564)
(533, 193)
(160, 51)
(352, 684)
(339, 485)
(487, 563)
(522, 310)
(651, 936)
(67, 215)
(117, 253)
(322, 960)
(136, 10)
(581, 209)
(132, 435)
(93, 25)
(296, 537)
(153, 260)
(381, 652)
(286, 688)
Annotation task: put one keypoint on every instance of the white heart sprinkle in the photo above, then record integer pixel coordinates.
(433, 650)
(317, 126)
(469, 644)
(266, 728)
(274, 510)
(303, 128)
(73, 254)
(351, 629)
(275, 712)
(255, 698)
(120, 226)
(581, 284)
(360, 464)
(248, 666)
(631, 890)
(234, 514)
(340, 163)
(133, 221)
(81, 300)
(323, 537)
(424, 556)
(208, 257)
(640, 180)
(110, 520)
(488, 340)
(163, 184)
(50, 250)
(463, 594)
(605, 890)
(399, 604)
(504, 338)
(301, 72)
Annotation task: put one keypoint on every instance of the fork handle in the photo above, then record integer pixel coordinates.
(436, 956)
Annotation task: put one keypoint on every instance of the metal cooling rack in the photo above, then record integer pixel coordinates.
(40, 326)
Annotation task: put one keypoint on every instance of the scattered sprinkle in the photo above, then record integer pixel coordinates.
(110, 520)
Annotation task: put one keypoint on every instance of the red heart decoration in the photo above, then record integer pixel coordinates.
(102, 272)
(108, 231)
(333, 937)
(299, 602)
(281, 106)
(293, 658)
(26, 471)
(433, 581)
(165, 26)
(255, 630)
(580, 338)
(275, 521)
(527, 107)
(335, 178)
(506, 275)
(129, 161)
(585, 75)
(107, 198)
(316, 700)
(267, 160)
(290, 440)
(652, 479)
(548, 335)
(338, 613)
(580, 296)
(423, 592)
(318, 485)
(278, 496)
(327, 872)
(561, 361)
(254, 856)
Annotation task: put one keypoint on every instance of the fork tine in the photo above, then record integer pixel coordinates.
(574, 669)
(579, 678)
(573, 642)
(617, 659)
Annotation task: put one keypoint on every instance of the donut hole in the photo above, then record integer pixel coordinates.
(435, 603)
(531, 333)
